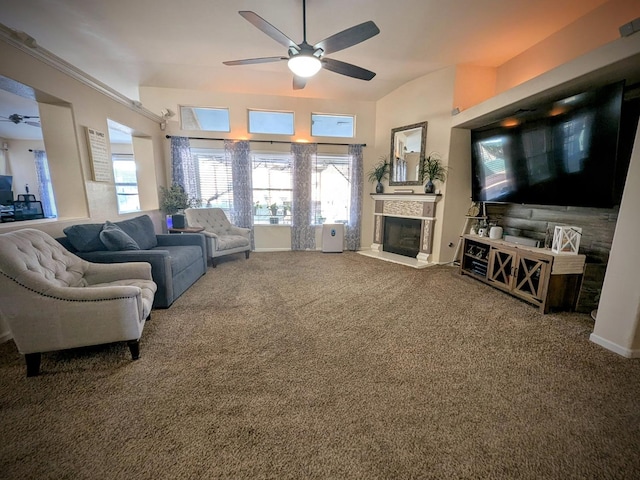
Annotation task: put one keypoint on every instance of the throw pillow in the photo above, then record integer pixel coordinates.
(85, 237)
(141, 230)
(114, 238)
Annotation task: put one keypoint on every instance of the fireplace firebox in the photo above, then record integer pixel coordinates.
(402, 236)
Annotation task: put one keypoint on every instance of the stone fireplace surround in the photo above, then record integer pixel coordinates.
(403, 205)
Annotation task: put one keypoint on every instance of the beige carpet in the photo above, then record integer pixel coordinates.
(310, 365)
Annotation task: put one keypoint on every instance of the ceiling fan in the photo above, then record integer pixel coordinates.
(305, 60)
(17, 118)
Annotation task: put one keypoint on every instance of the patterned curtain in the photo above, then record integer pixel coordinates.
(237, 153)
(45, 189)
(352, 234)
(183, 167)
(303, 232)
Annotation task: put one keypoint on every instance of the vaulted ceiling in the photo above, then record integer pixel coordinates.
(164, 43)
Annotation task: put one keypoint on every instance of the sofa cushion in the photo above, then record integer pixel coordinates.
(85, 237)
(141, 230)
(115, 239)
(226, 242)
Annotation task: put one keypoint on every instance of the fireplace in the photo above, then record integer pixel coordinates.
(402, 236)
(403, 228)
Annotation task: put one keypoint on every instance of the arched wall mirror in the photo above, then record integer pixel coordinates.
(407, 148)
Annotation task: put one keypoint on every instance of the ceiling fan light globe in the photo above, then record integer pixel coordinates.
(304, 66)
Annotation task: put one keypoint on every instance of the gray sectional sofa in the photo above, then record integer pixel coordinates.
(177, 261)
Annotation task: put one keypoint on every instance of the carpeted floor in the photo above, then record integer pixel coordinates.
(304, 365)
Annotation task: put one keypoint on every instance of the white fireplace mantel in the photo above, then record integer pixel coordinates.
(404, 205)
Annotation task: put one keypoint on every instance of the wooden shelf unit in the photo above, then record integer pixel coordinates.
(548, 280)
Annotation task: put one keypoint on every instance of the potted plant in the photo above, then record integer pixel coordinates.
(379, 172)
(174, 200)
(433, 170)
(274, 211)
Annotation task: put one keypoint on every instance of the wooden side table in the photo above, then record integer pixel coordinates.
(186, 230)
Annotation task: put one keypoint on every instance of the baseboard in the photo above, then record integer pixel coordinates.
(272, 250)
(614, 347)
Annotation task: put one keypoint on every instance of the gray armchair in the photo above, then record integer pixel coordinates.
(53, 300)
(223, 238)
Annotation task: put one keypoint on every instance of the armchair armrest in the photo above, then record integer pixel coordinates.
(245, 232)
(84, 294)
(167, 239)
(160, 262)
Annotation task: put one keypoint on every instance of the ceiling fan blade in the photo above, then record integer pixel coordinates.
(347, 38)
(299, 82)
(261, 24)
(250, 61)
(33, 124)
(347, 69)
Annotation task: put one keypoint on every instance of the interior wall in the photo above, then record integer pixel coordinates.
(428, 98)
(64, 160)
(473, 84)
(146, 173)
(266, 237)
(21, 164)
(592, 31)
(78, 197)
(618, 320)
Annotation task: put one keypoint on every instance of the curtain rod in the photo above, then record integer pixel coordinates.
(274, 141)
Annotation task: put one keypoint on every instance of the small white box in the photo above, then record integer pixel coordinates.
(566, 239)
(333, 237)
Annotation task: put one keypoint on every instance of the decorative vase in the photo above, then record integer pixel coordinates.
(379, 187)
(429, 187)
(496, 232)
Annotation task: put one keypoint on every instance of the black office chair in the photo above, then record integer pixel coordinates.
(26, 197)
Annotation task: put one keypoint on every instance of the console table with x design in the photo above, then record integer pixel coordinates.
(539, 276)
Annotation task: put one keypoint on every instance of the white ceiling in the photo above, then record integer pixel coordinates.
(10, 104)
(164, 43)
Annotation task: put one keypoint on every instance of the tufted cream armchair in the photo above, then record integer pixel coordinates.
(223, 238)
(53, 300)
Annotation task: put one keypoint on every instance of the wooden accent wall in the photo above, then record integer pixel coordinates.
(598, 226)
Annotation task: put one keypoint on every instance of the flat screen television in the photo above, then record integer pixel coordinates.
(562, 152)
(6, 197)
(6, 182)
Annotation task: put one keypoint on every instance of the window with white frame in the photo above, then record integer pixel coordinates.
(331, 125)
(207, 119)
(126, 180)
(273, 186)
(331, 189)
(272, 122)
(214, 179)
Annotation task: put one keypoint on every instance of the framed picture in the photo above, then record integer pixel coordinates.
(101, 167)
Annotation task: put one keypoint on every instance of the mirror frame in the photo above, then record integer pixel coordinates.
(423, 142)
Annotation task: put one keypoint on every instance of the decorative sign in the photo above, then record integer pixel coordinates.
(100, 161)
